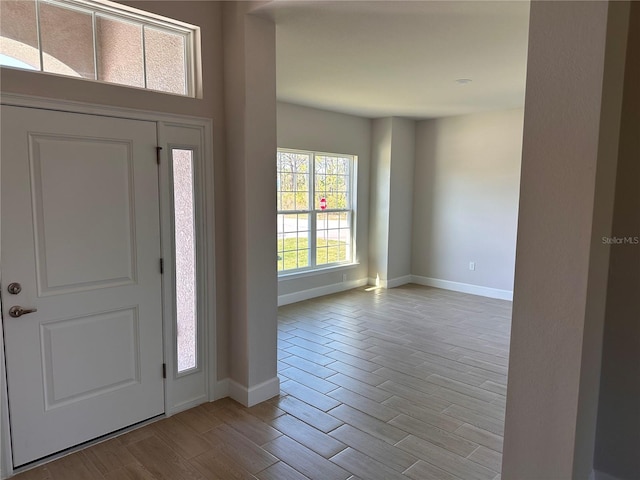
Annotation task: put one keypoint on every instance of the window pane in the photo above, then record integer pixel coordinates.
(165, 60)
(83, 40)
(119, 52)
(333, 238)
(185, 258)
(67, 41)
(344, 237)
(19, 34)
(293, 241)
(293, 181)
(332, 182)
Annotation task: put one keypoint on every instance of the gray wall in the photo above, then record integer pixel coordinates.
(572, 113)
(618, 433)
(319, 130)
(432, 195)
(403, 158)
(393, 160)
(381, 138)
(467, 178)
(250, 109)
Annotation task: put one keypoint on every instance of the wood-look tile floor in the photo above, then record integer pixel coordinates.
(376, 384)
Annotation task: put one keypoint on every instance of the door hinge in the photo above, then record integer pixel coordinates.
(161, 266)
(164, 370)
(158, 150)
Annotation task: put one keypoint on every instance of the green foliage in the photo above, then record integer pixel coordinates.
(331, 177)
(294, 253)
(293, 181)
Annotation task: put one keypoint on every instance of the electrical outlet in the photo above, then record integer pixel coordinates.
(472, 265)
(344, 277)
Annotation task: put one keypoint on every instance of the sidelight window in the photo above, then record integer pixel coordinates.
(184, 236)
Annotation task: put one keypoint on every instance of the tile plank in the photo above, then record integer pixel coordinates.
(161, 461)
(489, 458)
(305, 461)
(239, 448)
(307, 379)
(481, 437)
(390, 455)
(308, 414)
(445, 460)
(280, 471)
(368, 424)
(373, 393)
(314, 439)
(316, 399)
(441, 438)
(365, 405)
(364, 466)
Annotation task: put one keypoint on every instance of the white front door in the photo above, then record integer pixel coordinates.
(81, 236)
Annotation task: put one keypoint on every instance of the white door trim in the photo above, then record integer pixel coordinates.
(206, 235)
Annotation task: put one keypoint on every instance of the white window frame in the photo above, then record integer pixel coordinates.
(115, 11)
(312, 211)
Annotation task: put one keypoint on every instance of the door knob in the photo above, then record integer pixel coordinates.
(17, 311)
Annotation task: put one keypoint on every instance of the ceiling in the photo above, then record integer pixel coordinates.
(396, 58)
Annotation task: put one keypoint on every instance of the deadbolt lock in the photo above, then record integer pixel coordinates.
(14, 288)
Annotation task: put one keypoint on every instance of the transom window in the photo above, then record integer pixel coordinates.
(99, 41)
(316, 210)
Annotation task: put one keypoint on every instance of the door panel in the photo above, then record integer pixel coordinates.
(104, 253)
(80, 233)
(63, 341)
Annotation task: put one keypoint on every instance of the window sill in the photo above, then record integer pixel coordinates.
(317, 271)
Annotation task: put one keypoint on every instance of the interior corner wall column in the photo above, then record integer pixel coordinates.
(380, 193)
(391, 200)
(618, 433)
(250, 126)
(570, 144)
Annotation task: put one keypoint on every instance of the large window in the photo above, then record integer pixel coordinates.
(316, 210)
(99, 41)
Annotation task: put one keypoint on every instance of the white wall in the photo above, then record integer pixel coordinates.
(318, 130)
(467, 178)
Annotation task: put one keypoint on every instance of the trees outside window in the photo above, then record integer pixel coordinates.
(316, 211)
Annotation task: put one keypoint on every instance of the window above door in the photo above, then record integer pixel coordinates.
(101, 41)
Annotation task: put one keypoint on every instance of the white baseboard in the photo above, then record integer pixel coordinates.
(396, 282)
(463, 287)
(256, 394)
(294, 297)
(220, 390)
(596, 475)
(392, 283)
(186, 405)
